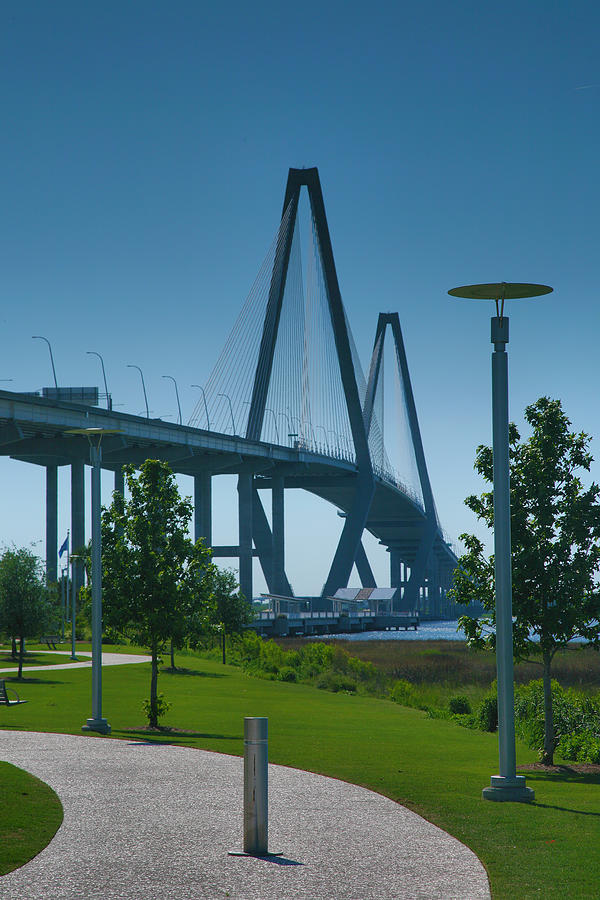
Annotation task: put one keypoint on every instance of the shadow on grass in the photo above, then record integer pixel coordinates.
(26, 681)
(196, 672)
(578, 812)
(565, 774)
(173, 736)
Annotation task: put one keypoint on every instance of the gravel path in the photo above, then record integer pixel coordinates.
(153, 821)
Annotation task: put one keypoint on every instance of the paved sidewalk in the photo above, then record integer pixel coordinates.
(108, 659)
(154, 821)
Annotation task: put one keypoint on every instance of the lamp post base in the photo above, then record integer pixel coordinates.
(511, 789)
(99, 725)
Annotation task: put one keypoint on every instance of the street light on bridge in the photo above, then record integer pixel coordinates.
(176, 394)
(130, 366)
(199, 386)
(108, 397)
(230, 410)
(40, 337)
(507, 785)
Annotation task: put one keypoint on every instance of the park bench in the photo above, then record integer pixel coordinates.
(51, 640)
(4, 698)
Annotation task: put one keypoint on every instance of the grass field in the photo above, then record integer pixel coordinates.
(549, 849)
(31, 815)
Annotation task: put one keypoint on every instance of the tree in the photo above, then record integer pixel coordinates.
(153, 573)
(229, 610)
(25, 607)
(555, 532)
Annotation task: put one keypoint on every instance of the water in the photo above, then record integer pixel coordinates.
(427, 631)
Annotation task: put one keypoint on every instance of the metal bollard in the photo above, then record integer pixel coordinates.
(256, 790)
(256, 786)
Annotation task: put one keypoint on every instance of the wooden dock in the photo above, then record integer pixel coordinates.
(284, 624)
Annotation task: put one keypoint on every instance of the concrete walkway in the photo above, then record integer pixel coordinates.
(153, 821)
(108, 659)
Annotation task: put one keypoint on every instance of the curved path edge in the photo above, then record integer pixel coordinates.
(143, 820)
(85, 661)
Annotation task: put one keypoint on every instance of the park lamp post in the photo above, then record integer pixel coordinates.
(507, 785)
(94, 436)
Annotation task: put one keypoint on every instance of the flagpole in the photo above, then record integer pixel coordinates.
(66, 586)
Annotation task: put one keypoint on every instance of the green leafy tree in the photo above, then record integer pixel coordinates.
(153, 574)
(229, 610)
(555, 532)
(25, 607)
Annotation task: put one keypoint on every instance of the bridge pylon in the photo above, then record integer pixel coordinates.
(349, 545)
(416, 549)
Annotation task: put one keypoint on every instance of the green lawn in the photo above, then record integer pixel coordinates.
(550, 848)
(31, 815)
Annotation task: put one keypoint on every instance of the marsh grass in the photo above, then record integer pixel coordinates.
(453, 664)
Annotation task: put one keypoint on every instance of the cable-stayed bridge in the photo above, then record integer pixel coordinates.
(286, 406)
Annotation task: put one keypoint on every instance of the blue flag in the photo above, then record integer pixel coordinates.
(64, 547)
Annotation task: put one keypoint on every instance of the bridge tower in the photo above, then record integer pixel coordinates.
(412, 549)
(308, 356)
(349, 545)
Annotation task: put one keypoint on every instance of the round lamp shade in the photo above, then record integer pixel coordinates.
(502, 290)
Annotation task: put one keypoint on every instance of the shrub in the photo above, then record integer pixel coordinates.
(333, 681)
(162, 706)
(584, 746)
(459, 705)
(573, 716)
(317, 657)
(487, 713)
(287, 673)
(403, 692)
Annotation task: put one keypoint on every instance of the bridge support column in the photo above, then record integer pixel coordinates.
(203, 508)
(51, 523)
(120, 482)
(77, 519)
(245, 485)
(395, 569)
(280, 582)
(419, 567)
(365, 572)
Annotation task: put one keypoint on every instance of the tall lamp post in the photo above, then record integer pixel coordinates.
(108, 397)
(131, 366)
(176, 394)
(507, 785)
(94, 436)
(230, 410)
(205, 406)
(40, 337)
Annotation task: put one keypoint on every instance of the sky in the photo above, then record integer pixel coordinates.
(145, 150)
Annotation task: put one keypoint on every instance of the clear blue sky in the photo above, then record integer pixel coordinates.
(144, 153)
